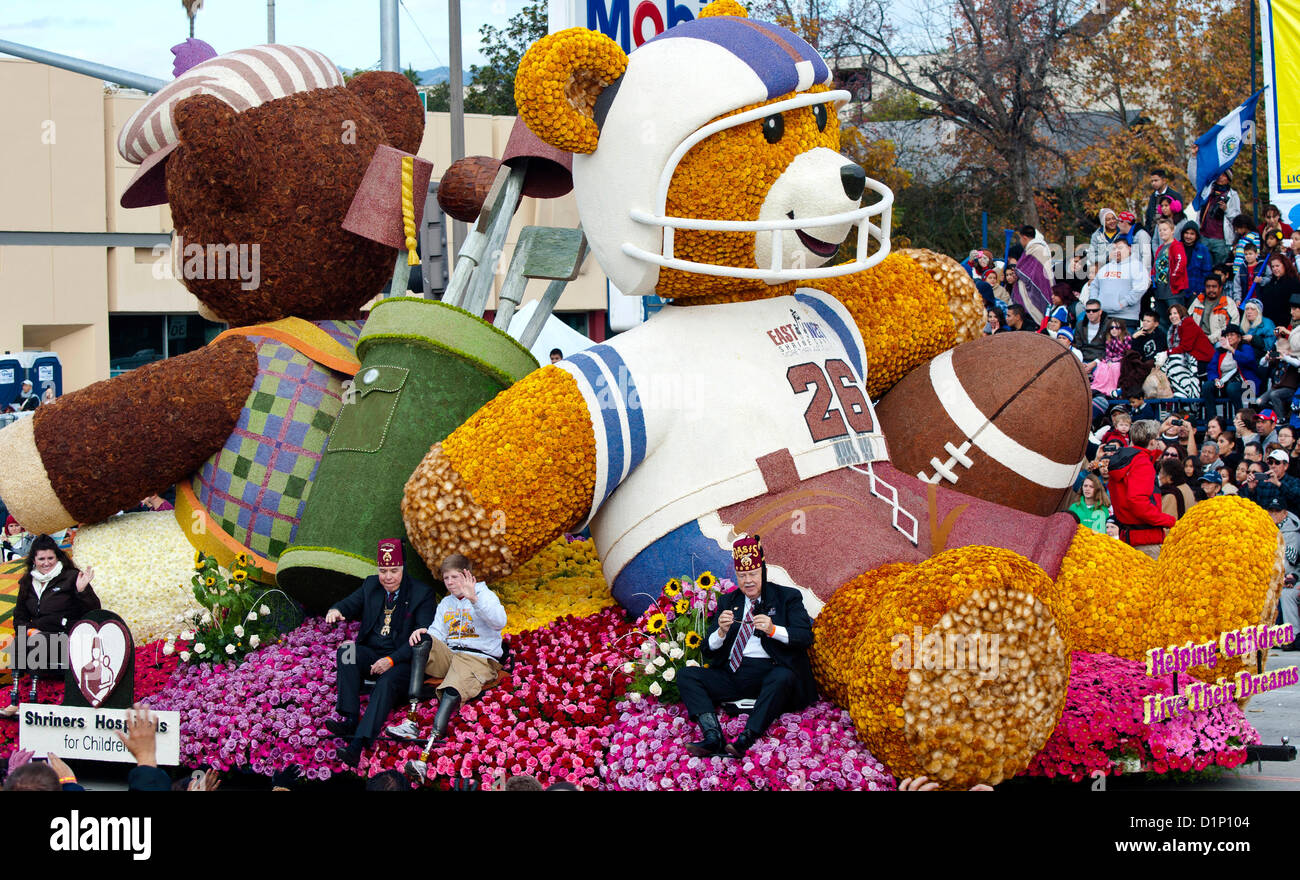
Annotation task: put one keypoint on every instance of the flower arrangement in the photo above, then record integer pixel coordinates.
(141, 561)
(479, 484)
(671, 632)
(815, 749)
(237, 614)
(1165, 602)
(265, 713)
(552, 719)
(1101, 728)
(565, 578)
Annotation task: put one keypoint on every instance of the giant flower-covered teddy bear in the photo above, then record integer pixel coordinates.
(707, 170)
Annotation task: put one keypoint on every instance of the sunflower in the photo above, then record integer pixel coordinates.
(706, 581)
(673, 587)
(242, 559)
(199, 562)
(693, 640)
(210, 581)
(683, 605)
(239, 576)
(657, 623)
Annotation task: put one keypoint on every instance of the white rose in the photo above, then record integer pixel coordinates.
(199, 647)
(660, 661)
(628, 667)
(205, 619)
(239, 631)
(252, 615)
(230, 649)
(676, 652)
(255, 641)
(656, 689)
(692, 663)
(264, 609)
(186, 635)
(185, 655)
(663, 646)
(649, 669)
(634, 697)
(168, 649)
(670, 673)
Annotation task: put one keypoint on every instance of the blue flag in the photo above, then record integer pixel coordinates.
(1217, 149)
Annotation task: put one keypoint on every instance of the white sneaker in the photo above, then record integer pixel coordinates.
(415, 770)
(408, 730)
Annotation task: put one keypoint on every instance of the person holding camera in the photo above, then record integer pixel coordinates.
(1274, 483)
(757, 646)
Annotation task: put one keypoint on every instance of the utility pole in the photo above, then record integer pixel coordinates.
(389, 50)
(457, 86)
(270, 21)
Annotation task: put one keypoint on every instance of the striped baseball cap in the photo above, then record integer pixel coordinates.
(781, 59)
(243, 79)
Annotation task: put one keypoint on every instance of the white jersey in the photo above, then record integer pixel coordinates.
(683, 406)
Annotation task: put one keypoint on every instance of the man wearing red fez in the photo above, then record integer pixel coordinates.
(757, 647)
(390, 605)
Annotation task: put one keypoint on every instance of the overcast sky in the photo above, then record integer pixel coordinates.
(137, 35)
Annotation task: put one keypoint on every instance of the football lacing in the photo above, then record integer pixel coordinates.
(944, 469)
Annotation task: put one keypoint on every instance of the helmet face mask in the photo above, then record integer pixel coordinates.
(778, 237)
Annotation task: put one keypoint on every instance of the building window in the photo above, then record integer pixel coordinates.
(136, 340)
(576, 320)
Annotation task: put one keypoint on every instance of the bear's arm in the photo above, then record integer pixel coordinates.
(517, 475)
(101, 449)
(905, 315)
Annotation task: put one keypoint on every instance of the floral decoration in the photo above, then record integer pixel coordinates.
(669, 636)
(815, 749)
(237, 615)
(564, 579)
(1101, 728)
(557, 83)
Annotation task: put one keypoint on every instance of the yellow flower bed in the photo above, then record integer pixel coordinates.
(964, 300)
(517, 474)
(723, 7)
(557, 83)
(945, 718)
(143, 565)
(1220, 569)
(902, 313)
(565, 578)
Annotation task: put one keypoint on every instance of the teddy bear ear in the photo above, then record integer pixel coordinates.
(393, 100)
(217, 154)
(558, 82)
(723, 7)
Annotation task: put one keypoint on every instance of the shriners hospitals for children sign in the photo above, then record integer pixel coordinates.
(627, 22)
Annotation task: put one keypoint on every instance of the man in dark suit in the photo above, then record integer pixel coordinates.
(390, 605)
(757, 646)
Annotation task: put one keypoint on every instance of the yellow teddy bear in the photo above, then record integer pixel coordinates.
(707, 170)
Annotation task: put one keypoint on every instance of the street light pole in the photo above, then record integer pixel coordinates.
(389, 51)
(270, 21)
(457, 88)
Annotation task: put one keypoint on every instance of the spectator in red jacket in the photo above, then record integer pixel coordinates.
(1168, 269)
(1131, 482)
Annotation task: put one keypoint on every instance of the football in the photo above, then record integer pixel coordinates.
(1003, 418)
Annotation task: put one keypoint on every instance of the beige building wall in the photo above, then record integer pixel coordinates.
(60, 173)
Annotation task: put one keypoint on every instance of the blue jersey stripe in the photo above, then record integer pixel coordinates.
(607, 412)
(841, 329)
(631, 400)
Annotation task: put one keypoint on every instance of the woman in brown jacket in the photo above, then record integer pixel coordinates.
(53, 594)
(1177, 496)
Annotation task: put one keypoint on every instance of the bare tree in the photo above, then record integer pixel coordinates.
(986, 66)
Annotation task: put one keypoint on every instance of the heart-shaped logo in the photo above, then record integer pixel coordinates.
(98, 653)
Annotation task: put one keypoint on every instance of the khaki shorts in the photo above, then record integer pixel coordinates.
(468, 673)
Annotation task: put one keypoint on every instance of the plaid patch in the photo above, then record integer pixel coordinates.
(256, 487)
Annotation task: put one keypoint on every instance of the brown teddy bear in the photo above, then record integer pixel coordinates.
(262, 154)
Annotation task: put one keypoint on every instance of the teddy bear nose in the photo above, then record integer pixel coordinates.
(854, 180)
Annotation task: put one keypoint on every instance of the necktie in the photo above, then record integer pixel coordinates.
(742, 637)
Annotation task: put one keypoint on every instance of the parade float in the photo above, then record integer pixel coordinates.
(804, 383)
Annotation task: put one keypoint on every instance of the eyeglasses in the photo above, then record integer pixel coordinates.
(1092, 311)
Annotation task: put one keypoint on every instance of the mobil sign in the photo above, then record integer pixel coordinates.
(627, 22)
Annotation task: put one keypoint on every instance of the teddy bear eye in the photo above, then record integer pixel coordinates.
(774, 127)
(819, 116)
